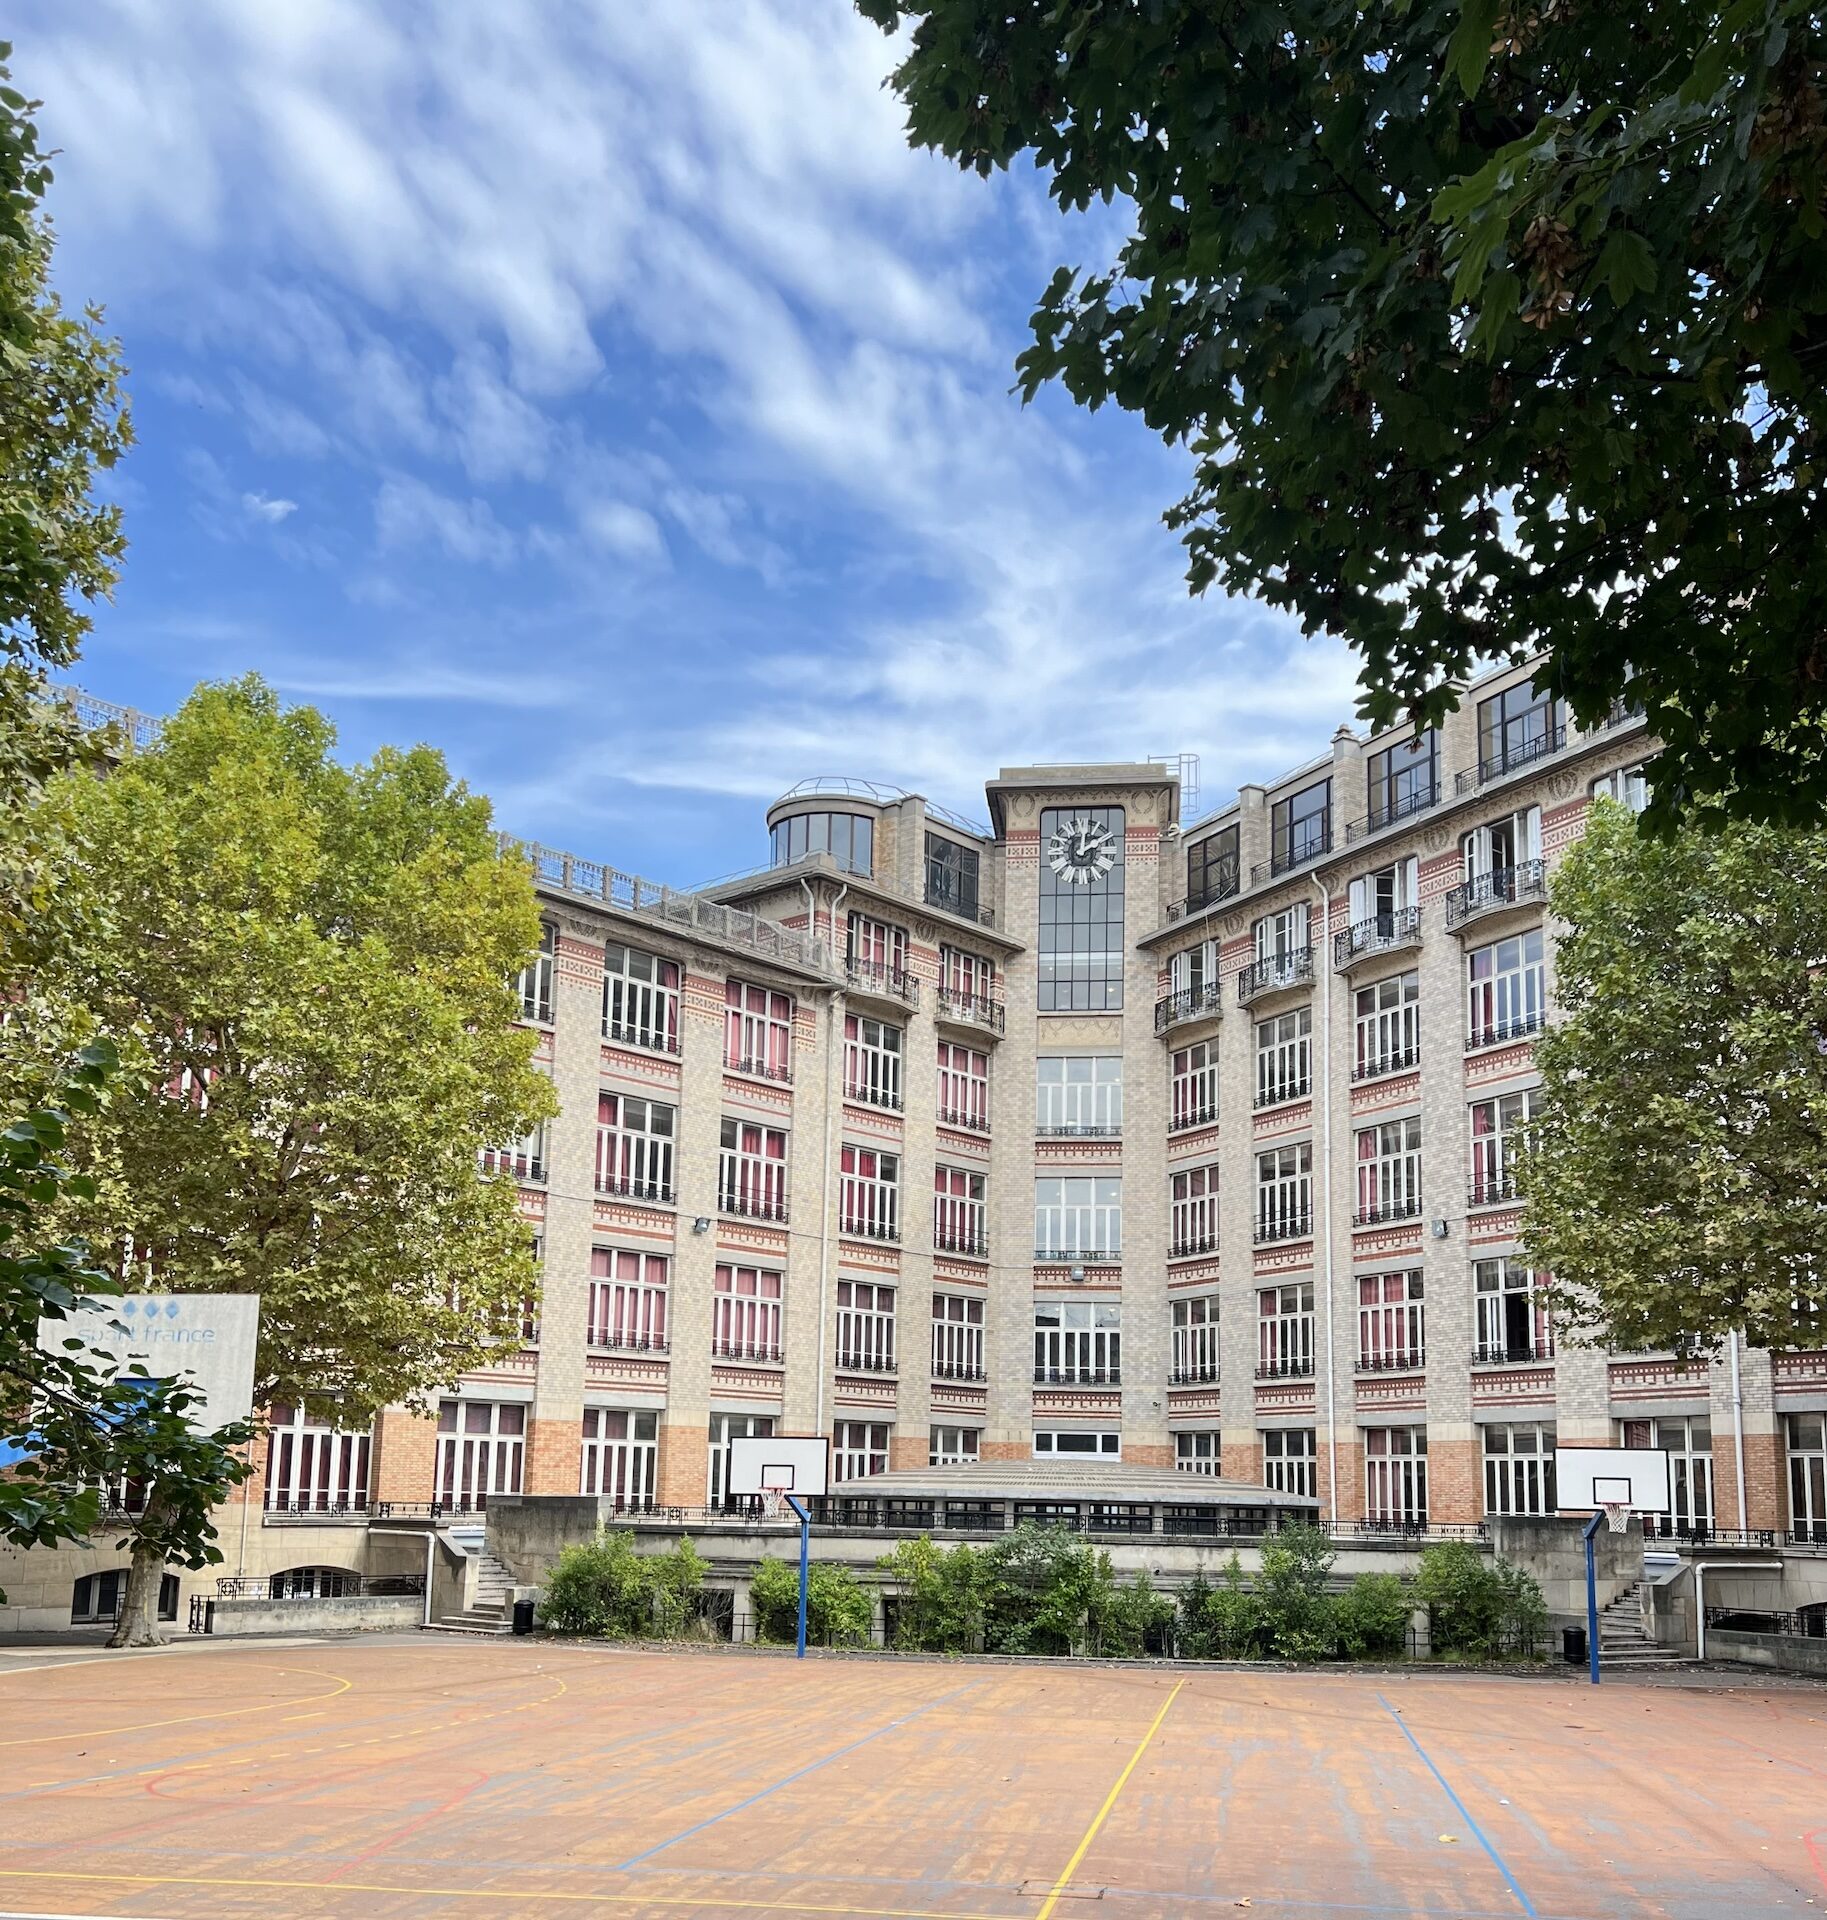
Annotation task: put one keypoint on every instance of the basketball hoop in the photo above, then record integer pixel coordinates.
(772, 1501)
(1617, 1514)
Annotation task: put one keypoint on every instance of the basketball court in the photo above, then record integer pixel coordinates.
(401, 1777)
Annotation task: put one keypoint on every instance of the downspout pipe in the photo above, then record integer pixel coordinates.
(1325, 1138)
(1738, 1428)
(834, 1042)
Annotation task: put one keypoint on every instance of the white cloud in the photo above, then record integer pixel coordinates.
(264, 507)
(621, 529)
(408, 514)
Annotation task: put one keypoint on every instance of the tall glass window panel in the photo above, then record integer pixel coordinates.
(1300, 826)
(1080, 961)
(1403, 779)
(1515, 727)
(952, 876)
(1211, 869)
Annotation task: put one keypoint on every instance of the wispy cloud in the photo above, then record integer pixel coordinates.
(265, 507)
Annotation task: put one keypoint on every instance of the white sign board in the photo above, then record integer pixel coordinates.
(209, 1336)
(786, 1463)
(1586, 1477)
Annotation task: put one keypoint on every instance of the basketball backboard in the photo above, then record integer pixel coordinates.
(1588, 1478)
(784, 1463)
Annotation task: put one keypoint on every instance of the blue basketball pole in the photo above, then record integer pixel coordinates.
(1592, 1598)
(805, 1568)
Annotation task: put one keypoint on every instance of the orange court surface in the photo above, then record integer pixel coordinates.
(401, 1777)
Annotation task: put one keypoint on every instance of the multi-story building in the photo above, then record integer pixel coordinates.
(1083, 1133)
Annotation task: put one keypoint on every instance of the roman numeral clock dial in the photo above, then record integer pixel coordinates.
(1081, 851)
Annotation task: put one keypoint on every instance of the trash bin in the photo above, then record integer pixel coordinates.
(1573, 1645)
(523, 1617)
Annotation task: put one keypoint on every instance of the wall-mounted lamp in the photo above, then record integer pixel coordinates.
(1075, 1273)
(701, 1224)
(1439, 1229)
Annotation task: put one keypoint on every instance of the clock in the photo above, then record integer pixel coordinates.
(1081, 850)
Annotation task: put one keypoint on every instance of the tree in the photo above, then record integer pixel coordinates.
(1370, 1617)
(939, 1605)
(1476, 1605)
(1676, 1179)
(306, 967)
(1291, 1593)
(1491, 330)
(838, 1611)
(603, 1586)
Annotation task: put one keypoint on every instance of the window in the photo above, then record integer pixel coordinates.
(1284, 956)
(534, 985)
(1284, 1057)
(1078, 1343)
(952, 1446)
(621, 1456)
(1806, 1437)
(1515, 727)
(1080, 945)
(872, 1062)
(951, 876)
(1395, 1477)
(1289, 1462)
(1192, 976)
(1402, 779)
(634, 1146)
(1284, 1193)
(481, 1450)
(627, 1300)
(1211, 869)
(1502, 845)
(1519, 1469)
(1049, 1442)
(1193, 1324)
(1389, 1172)
(1198, 1452)
(1499, 1128)
(869, 1193)
(849, 838)
(858, 1449)
(1512, 1313)
(957, 1337)
(964, 1087)
(865, 1326)
(1079, 1094)
(1391, 1324)
(958, 1212)
(726, 1428)
(1284, 1331)
(1628, 786)
(1384, 906)
(524, 1159)
(745, 1314)
(876, 953)
(1688, 1442)
(967, 981)
(752, 1170)
(640, 999)
(1300, 827)
(312, 1466)
(529, 1305)
(1193, 1086)
(1505, 994)
(313, 1583)
(1078, 1217)
(1388, 1026)
(1193, 1210)
(758, 1031)
(96, 1598)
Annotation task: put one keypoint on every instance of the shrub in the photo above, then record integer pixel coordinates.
(838, 1611)
(1476, 1605)
(939, 1606)
(1193, 1629)
(598, 1586)
(675, 1582)
(1296, 1609)
(1123, 1620)
(1234, 1618)
(1371, 1616)
(1040, 1587)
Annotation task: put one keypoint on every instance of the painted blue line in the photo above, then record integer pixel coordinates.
(1478, 1832)
(634, 1860)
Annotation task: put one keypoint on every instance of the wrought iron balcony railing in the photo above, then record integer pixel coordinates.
(860, 1226)
(1392, 1360)
(759, 1067)
(649, 1039)
(1197, 1376)
(1293, 969)
(1515, 886)
(855, 1360)
(1279, 1092)
(888, 1099)
(1397, 1060)
(966, 1240)
(958, 1370)
(962, 1117)
(1491, 1190)
(1199, 1114)
(1296, 1367)
(744, 1350)
(1497, 1032)
(1524, 753)
(1081, 1256)
(1386, 816)
(1382, 933)
(973, 1009)
(1382, 1213)
(1287, 1226)
(1520, 1353)
(1190, 1244)
(1078, 1376)
(656, 1190)
(888, 983)
(753, 1206)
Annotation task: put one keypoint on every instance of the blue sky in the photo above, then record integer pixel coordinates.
(606, 394)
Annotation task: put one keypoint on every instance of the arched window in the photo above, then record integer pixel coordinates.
(96, 1598)
(313, 1583)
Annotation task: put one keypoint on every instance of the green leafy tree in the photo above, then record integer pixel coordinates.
(1477, 1605)
(1676, 1184)
(1370, 1618)
(1041, 1586)
(1193, 1636)
(938, 1596)
(1129, 1619)
(79, 1433)
(1292, 1593)
(605, 1586)
(839, 1613)
(1490, 330)
(306, 967)
(1235, 1617)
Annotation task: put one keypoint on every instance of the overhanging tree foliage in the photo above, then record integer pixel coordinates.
(1676, 1185)
(1491, 329)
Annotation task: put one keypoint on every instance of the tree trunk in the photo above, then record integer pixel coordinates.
(138, 1624)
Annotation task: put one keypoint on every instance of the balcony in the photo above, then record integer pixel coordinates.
(1206, 1376)
(1393, 1360)
(1383, 1213)
(1192, 1244)
(1519, 1353)
(1496, 1191)
(1276, 974)
(854, 1360)
(1279, 1092)
(1384, 933)
(1080, 1256)
(1397, 1061)
(648, 1039)
(1380, 817)
(752, 1206)
(1191, 1003)
(1192, 1114)
(1100, 1130)
(745, 1350)
(971, 1010)
(659, 1191)
(1292, 858)
(1524, 754)
(1287, 1226)
(857, 1226)
(760, 1067)
(1298, 1367)
(886, 1099)
(964, 1119)
(1523, 885)
(958, 1370)
(954, 901)
(973, 1242)
(626, 1343)
(894, 984)
(1078, 1376)
(1225, 887)
(1500, 1032)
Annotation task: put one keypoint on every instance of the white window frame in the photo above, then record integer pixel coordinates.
(1192, 1210)
(1199, 1450)
(1498, 1127)
(1078, 1216)
(875, 953)
(1284, 1192)
(1501, 846)
(958, 1336)
(865, 1325)
(953, 1446)
(1193, 973)
(1505, 1289)
(640, 1008)
(873, 1051)
(1387, 1160)
(963, 1091)
(628, 1302)
(752, 1168)
(1519, 1475)
(1687, 1439)
(1193, 1086)
(1193, 1339)
(868, 1192)
(1387, 1025)
(1392, 1320)
(960, 1211)
(859, 1449)
(1078, 1343)
(1384, 905)
(636, 1140)
(523, 1159)
(1283, 945)
(1506, 989)
(747, 1304)
(1628, 786)
(1395, 1478)
(621, 1457)
(1284, 1057)
(758, 1030)
(1284, 1331)
(966, 979)
(1290, 1461)
(533, 984)
(314, 1466)
(1103, 1443)
(1079, 1094)
(478, 1456)
(1805, 1452)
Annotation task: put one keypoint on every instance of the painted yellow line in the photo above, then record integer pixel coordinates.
(1110, 1800)
(592, 1898)
(185, 1719)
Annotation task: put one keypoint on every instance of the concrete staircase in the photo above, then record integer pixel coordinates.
(1622, 1639)
(488, 1612)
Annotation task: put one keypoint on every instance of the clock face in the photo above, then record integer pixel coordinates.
(1081, 850)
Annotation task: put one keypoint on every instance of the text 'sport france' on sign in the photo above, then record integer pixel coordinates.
(209, 1336)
